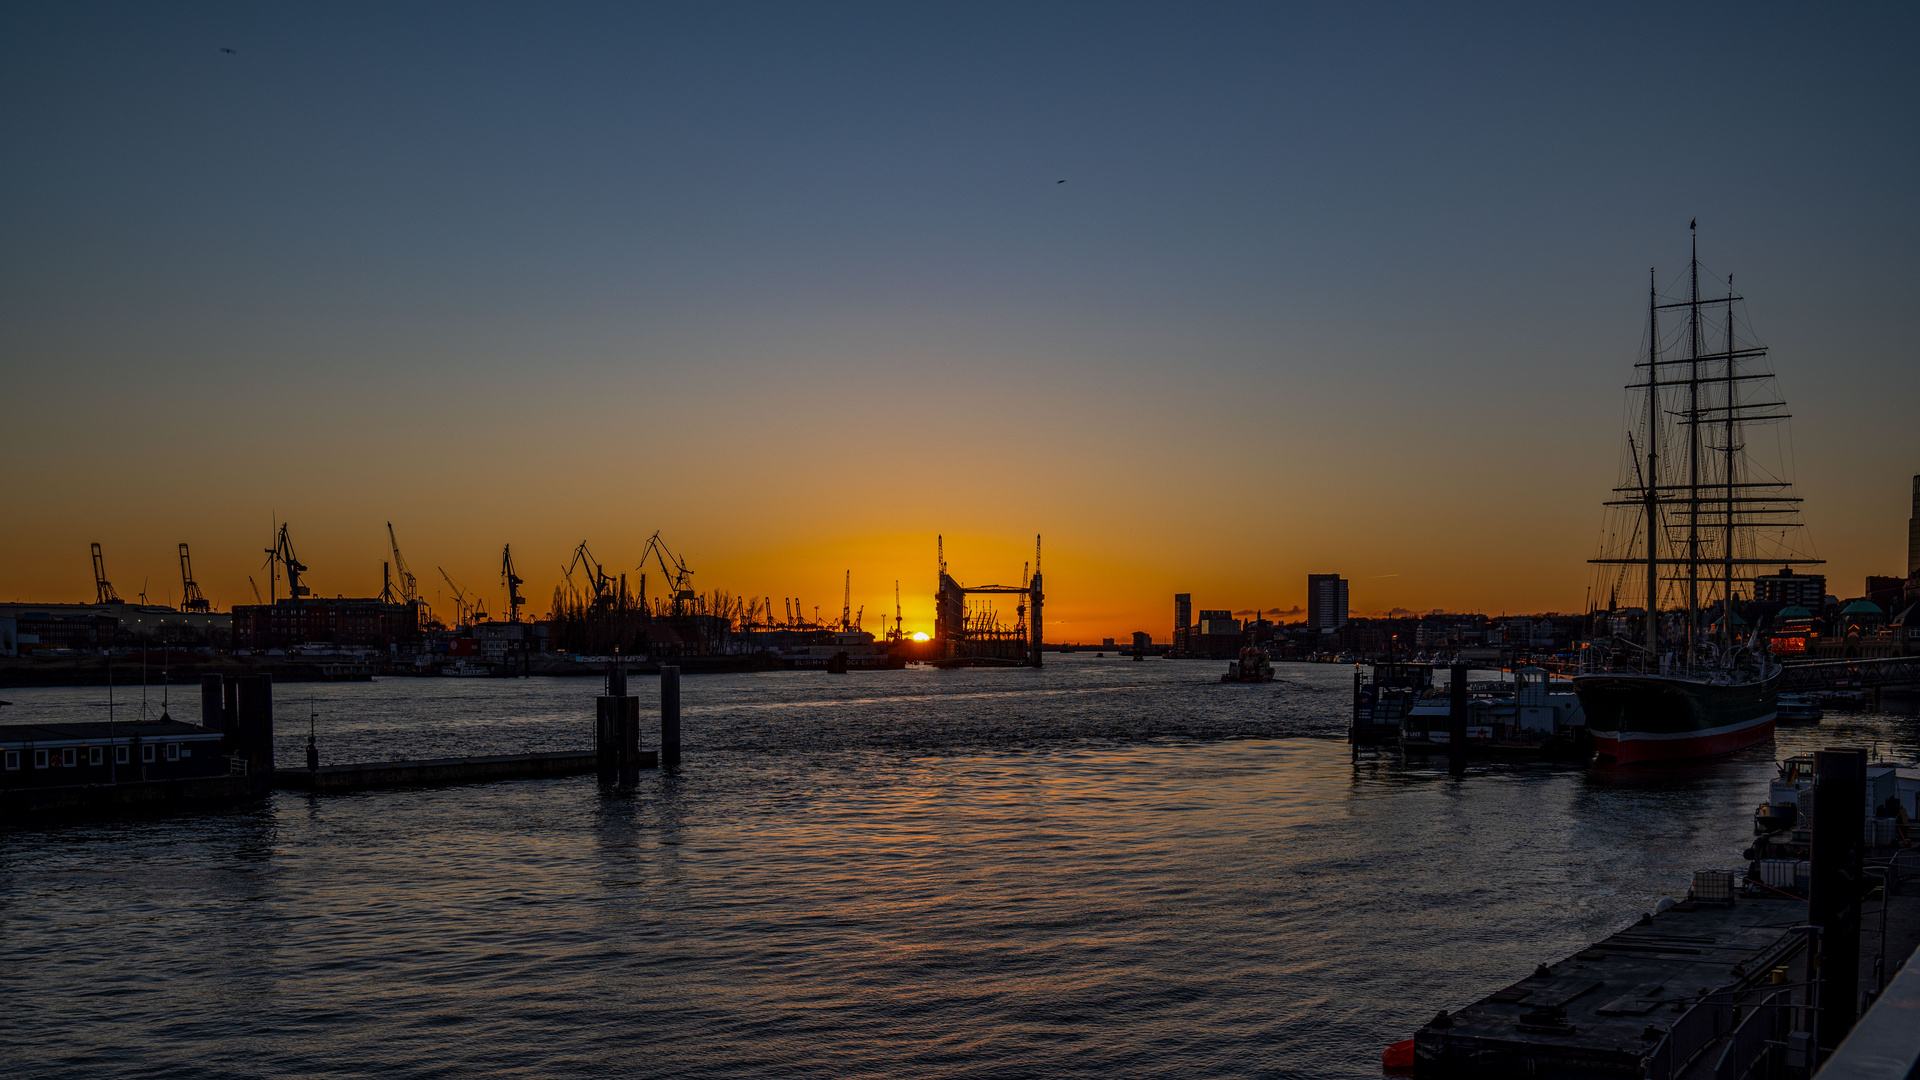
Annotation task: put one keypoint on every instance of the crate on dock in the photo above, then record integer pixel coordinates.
(1713, 886)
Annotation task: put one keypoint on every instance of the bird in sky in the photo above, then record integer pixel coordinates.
(1059, 181)
(224, 49)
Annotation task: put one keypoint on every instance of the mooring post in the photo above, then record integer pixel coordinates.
(1457, 706)
(1835, 886)
(669, 715)
(211, 716)
(1353, 728)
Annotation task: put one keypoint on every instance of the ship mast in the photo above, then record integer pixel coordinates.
(1650, 483)
(1732, 451)
(1693, 446)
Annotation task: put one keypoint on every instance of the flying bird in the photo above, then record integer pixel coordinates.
(1059, 181)
(224, 49)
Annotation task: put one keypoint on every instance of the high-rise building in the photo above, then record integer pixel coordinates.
(1326, 602)
(1182, 617)
(1913, 534)
(1142, 641)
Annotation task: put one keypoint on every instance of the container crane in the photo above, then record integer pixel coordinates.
(191, 598)
(256, 590)
(846, 606)
(896, 610)
(513, 582)
(102, 588)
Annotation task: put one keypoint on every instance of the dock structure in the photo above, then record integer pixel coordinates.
(1757, 973)
(968, 636)
(1644, 1003)
(363, 776)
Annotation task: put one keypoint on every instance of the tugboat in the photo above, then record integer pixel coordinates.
(1697, 512)
(1254, 665)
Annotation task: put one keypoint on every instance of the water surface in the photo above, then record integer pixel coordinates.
(1102, 869)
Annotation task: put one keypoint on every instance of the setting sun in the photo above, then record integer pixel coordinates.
(919, 635)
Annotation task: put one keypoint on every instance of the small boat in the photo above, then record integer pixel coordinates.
(1798, 709)
(1254, 665)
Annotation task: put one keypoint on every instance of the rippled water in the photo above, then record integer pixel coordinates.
(1101, 869)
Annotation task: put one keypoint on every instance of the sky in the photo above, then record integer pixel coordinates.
(1209, 296)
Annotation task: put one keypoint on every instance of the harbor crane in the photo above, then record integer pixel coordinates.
(597, 577)
(191, 598)
(469, 608)
(282, 553)
(896, 611)
(513, 582)
(846, 605)
(102, 588)
(256, 589)
(409, 585)
(679, 583)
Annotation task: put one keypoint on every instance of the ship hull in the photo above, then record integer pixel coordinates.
(1645, 718)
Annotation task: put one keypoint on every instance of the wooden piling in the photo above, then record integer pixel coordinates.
(1457, 708)
(212, 706)
(670, 715)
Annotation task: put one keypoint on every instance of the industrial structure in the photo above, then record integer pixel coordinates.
(972, 634)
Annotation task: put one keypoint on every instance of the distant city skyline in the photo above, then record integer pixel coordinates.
(1324, 288)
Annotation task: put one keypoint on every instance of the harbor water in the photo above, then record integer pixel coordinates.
(1103, 869)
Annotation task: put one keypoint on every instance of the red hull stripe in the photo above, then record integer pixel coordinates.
(1637, 747)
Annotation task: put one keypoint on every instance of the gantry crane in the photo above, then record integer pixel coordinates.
(191, 599)
(846, 605)
(102, 588)
(513, 582)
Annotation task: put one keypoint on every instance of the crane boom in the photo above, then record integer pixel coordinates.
(513, 582)
(191, 599)
(679, 585)
(409, 585)
(102, 588)
(282, 552)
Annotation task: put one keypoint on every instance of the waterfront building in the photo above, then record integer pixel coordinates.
(1789, 588)
(1142, 641)
(1326, 602)
(1182, 621)
(342, 622)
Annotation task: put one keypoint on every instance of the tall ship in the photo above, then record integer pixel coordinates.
(1694, 518)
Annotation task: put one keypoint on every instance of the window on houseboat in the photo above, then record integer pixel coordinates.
(39, 759)
(146, 752)
(120, 754)
(67, 757)
(173, 751)
(13, 759)
(93, 755)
